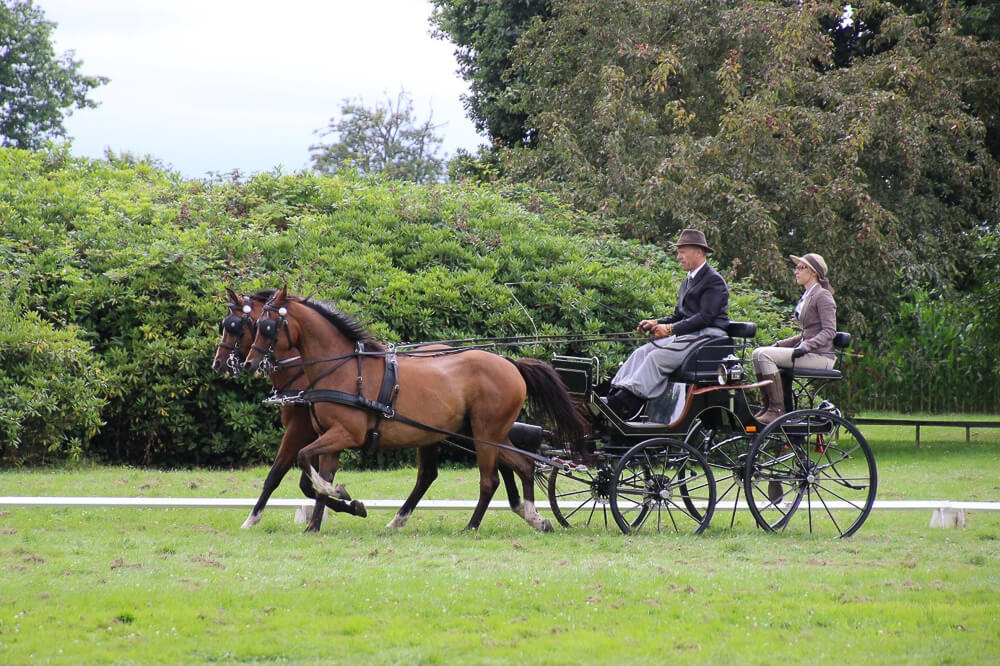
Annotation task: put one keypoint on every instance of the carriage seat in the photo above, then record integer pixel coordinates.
(802, 385)
(841, 341)
(701, 365)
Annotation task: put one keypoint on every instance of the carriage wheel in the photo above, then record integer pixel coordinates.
(814, 460)
(726, 452)
(579, 496)
(663, 485)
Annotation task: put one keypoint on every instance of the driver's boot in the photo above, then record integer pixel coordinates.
(624, 403)
(775, 399)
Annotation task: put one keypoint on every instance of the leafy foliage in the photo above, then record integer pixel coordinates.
(53, 389)
(134, 261)
(484, 34)
(775, 131)
(386, 140)
(37, 87)
(941, 358)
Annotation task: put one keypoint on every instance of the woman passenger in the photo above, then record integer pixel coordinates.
(816, 313)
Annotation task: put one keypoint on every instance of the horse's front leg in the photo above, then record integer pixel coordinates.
(340, 502)
(298, 433)
(326, 452)
(427, 472)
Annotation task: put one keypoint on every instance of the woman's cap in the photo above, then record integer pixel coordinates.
(813, 261)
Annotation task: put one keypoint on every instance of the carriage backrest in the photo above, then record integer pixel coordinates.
(577, 372)
(741, 329)
(701, 365)
(702, 362)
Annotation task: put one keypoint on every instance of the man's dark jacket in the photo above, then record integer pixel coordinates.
(701, 303)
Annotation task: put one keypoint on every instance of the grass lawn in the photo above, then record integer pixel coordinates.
(111, 585)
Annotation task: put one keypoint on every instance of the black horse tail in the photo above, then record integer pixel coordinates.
(548, 394)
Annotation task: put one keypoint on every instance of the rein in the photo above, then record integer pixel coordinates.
(412, 349)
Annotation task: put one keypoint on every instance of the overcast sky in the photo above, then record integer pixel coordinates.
(208, 86)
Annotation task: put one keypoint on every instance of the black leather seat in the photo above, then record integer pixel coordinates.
(701, 365)
(804, 384)
(841, 341)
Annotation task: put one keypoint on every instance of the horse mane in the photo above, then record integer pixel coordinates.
(263, 296)
(343, 322)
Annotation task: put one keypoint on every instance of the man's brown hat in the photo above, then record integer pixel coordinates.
(692, 237)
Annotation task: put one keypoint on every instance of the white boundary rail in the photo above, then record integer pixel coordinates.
(440, 505)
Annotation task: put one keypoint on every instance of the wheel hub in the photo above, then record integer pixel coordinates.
(659, 489)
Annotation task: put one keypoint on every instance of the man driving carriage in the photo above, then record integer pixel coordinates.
(701, 311)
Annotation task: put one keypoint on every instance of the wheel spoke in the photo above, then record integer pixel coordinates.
(665, 477)
(825, 459)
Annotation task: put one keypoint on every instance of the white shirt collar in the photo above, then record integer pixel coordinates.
(691, 274)
(802, 299)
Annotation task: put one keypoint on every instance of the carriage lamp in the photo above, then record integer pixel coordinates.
(730, 371)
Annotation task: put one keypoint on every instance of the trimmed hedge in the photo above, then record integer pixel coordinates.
(131, 261)
(53, 389)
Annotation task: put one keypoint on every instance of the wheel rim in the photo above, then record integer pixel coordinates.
(813, 462)
(662, 486)
(726, 452)
(579, 497)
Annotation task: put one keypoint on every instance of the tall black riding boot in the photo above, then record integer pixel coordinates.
(624, 403)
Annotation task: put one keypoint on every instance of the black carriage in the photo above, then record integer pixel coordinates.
(698, 449)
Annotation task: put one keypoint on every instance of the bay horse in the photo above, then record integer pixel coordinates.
(474, 393)
(238, 329)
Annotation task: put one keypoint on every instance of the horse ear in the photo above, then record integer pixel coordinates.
(280, 295)
(234, 297)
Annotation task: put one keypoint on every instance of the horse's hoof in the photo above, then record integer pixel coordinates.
(250, 521)
(340, 492)
(398, 522)
(359, 509)
(546, 526)
(311, 528)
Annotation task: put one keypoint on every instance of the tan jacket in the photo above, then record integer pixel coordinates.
(818, 319)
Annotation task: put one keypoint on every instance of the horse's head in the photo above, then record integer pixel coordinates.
(273, 332)
(237, 333)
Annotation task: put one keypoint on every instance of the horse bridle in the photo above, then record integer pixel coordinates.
(270, 329)
(233, 324)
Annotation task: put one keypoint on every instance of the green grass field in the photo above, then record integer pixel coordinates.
(111, 585)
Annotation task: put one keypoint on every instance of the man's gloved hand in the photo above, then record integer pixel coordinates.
(798, 351)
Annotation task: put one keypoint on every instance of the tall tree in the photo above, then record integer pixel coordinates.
(387, 139)
(776, 127)
(484, 34)
(37, 87)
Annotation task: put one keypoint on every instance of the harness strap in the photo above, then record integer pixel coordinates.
(386, 398)
(310, 397)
